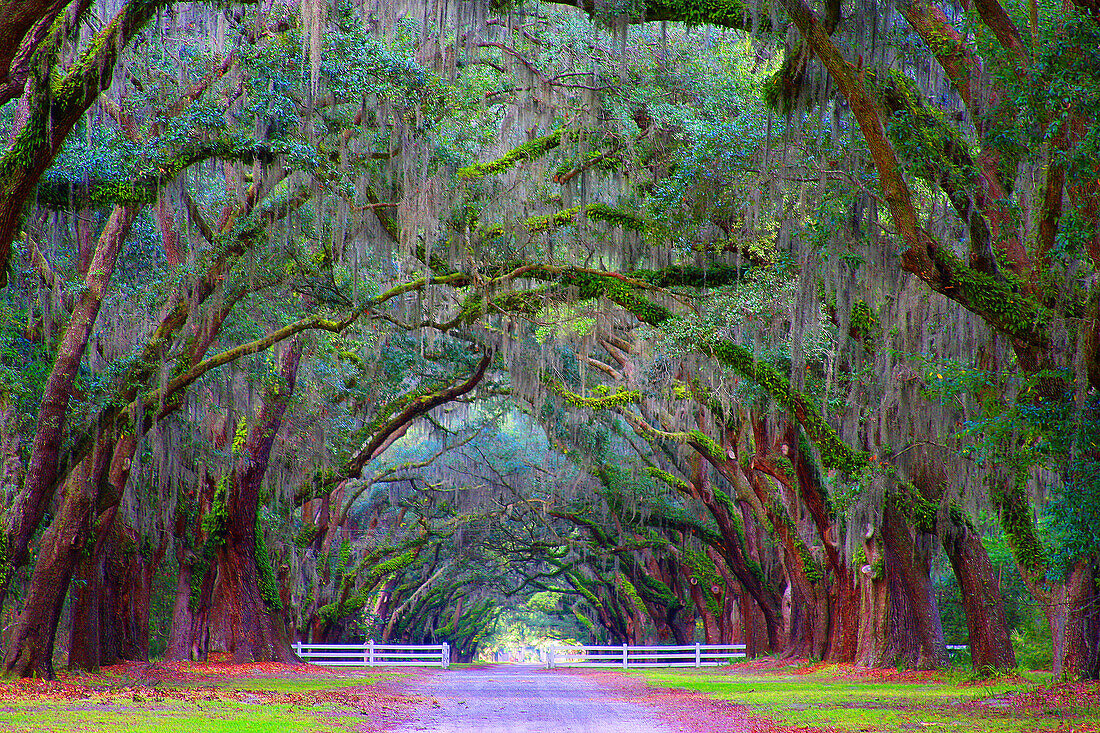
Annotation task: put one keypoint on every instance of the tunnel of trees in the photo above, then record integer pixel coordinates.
(636, 321)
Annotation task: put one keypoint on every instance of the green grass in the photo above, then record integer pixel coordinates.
(160, 717)
(820, 698)
(277, 684)
(112, 702)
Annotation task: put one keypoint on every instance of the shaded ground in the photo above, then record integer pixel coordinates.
(209, 698)
(526, 699)
(786, 695)
(685, 711)
(764, 696)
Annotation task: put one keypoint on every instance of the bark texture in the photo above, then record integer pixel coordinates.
(256, 632)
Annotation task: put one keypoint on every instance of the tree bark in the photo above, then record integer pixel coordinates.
(86, 602)
(1075, 622)
(899, 619)
(256, 632)
(871, 641)
(990, 645)
(711, 633)
(844, 631)
(42, 469)
(30, 650)
(129, 585)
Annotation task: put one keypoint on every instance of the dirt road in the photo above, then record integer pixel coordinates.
(525, 699)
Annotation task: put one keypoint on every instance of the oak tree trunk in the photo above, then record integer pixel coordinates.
(899, 618)
(31, 646)
(256, 632)
(39, 485)
(1071, 611)
(990, 645)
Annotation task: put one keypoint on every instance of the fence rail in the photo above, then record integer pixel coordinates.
(375, 655)
(692, 655)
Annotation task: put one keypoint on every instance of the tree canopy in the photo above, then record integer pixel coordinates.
(649, 321)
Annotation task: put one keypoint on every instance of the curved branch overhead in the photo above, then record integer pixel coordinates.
(434, 321)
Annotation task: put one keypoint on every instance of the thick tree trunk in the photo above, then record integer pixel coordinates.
(95, 486)
(86, 602)
(768, 601)
(110, 601)
(808, 628)
(871, 642)
(199, 636)
(728, 595)
(913, 599)
(129, 587)
(844, 592)
(711, 632)
(256, 633)
(900, 623)
(754, 627)
(1075, 622)
(807, 617)
(179, 637)
(85, 619)
(187, 638)
(30, 650)
(740, 550)
(42, 469)
(990, 645)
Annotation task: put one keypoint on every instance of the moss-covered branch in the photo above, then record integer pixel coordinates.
(528, 151)
(568, 217)
(605, 402)
(332, 612)
(144, 185)
(56, 101)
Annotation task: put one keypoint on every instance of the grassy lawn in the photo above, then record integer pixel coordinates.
(209, 699)
(853, 700)
(214, 717)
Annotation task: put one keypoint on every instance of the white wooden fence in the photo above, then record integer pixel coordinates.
(376, 655)
(692, 655)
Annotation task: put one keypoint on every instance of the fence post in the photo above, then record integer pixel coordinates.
(370, 653)
(625, 665)
(446, 655)
(298, 649)
(698, 656)
(550, 656)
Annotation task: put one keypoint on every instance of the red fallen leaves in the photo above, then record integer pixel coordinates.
(1061, 699)
(1065, 704)
(184, 681)
(869, 674)
(219, 666)
(63, 692)
(692, 711)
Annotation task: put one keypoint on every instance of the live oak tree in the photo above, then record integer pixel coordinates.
(905, 134)
(703, 299)
(183, 326)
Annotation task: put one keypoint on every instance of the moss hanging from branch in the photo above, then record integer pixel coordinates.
(724, 13)
(705, 572)
(332, 612)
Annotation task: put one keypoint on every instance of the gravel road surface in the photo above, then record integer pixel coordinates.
(524, 699)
